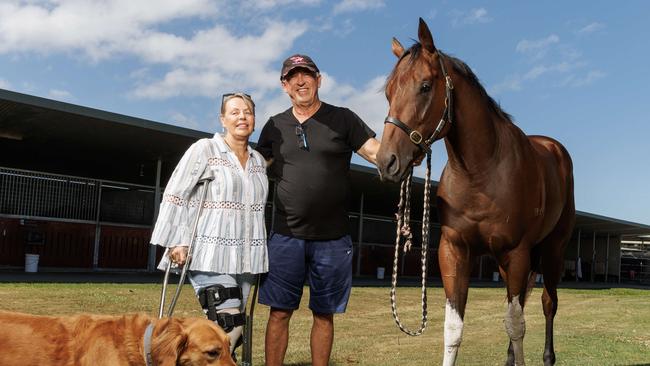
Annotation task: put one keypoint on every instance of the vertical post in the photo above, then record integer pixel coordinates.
(98, 227)
(578, 253)
(593, 258)
(151, 262)
(619, 258)
(607, 259)
(360, 236)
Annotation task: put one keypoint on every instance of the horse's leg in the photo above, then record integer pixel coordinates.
(552, 251)
(534, 263)
(552, 266)
(510, 360)
(518, 270)
(455, 270)
(549, 304)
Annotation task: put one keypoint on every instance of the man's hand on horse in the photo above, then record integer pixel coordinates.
(178, 255)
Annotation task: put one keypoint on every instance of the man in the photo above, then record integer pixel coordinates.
(309, 147)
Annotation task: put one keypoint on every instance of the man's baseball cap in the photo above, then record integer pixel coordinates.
(298, 61)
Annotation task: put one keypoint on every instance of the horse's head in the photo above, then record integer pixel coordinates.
(417, 92)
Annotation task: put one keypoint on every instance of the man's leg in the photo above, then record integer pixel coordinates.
(281, 290)
(330, 283)
(277, 336)
(322, 336)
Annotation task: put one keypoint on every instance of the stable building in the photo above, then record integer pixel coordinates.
(80, 189)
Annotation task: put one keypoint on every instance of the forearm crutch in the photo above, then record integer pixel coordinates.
(247, 346)
(203, 190)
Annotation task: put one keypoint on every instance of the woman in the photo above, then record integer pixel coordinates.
(230, 246)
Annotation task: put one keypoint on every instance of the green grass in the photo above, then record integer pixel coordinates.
(593, 327)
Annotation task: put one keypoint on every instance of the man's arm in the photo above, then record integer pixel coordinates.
(369, 150)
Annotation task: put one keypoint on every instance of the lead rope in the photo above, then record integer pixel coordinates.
(404, 231)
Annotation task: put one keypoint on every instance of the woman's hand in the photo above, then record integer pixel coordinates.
(178, 255)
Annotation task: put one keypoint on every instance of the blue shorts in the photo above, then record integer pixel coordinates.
(325, 265)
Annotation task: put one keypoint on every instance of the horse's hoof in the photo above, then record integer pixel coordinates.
(510, 361)
(549, 359)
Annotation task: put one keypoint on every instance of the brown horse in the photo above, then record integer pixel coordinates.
(501, 192)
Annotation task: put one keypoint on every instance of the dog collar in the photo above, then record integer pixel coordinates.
(147, 345)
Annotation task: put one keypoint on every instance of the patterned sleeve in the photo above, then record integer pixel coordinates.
(172, 225)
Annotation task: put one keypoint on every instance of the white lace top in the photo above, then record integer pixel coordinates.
(231, 235)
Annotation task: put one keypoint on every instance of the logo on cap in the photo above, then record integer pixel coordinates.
(297, 60)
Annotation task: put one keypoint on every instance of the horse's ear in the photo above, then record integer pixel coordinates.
(398, 49)
(424, 34)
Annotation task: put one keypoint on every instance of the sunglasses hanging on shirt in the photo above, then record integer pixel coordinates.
(302, 138)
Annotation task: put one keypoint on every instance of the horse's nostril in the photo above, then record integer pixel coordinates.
(393, 165)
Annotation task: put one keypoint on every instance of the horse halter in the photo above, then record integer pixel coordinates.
(414, 135)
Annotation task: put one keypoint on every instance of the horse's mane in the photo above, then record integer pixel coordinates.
(460, 67)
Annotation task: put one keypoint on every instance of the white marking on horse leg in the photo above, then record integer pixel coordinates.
(453, 334)
(516, 329)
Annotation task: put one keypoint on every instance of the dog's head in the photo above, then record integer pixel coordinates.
(190, 342)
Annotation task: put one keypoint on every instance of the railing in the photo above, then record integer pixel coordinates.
(635, 269)
(28, 194)
(74, 221)
(33, 194)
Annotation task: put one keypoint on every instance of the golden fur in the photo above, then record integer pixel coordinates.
(104, 340)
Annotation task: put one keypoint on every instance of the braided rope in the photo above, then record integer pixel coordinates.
(403, 217)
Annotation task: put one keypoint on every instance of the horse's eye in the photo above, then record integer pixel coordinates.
(425, 88)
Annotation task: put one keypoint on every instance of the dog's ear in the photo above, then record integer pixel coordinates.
(169, 340)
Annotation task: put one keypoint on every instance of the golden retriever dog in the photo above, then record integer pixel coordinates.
(103, 340)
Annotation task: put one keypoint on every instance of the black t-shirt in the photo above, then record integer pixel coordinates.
(313, 186)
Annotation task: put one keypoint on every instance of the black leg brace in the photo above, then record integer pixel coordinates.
(212, 296)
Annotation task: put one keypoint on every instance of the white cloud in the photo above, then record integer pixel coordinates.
(201, 63)
(511, 83)
(515, 82)
(99, 28)
(591, 77)
(473, 16)
(553, 61)
(591, 28)
(537, 49)
(59, 94)
(206, 64)
(4, 84)
(270, 4)
(179, 119)
(346, 6)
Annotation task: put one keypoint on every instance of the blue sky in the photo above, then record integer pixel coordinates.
(577, 71)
